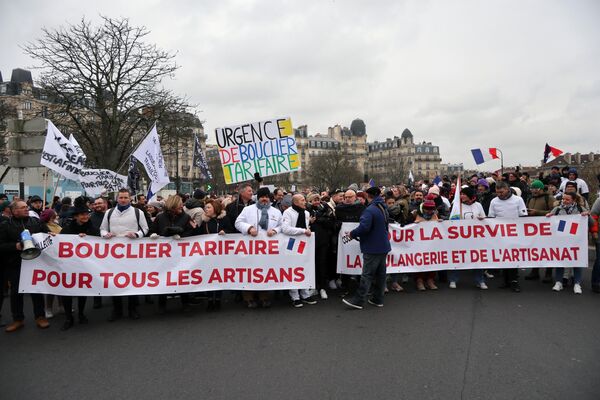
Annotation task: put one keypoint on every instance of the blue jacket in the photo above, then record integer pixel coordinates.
(372, 230)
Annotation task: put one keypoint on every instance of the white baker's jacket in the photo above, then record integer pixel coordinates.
(250, 216)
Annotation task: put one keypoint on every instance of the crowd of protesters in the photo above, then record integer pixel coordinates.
(309, 212)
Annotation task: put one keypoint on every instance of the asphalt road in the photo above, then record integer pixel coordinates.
(449, 344)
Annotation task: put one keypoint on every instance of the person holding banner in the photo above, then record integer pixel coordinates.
(295, 222)
(254, 218)
(175, 223)
(568, 206)
(470, 209)
(322, 219)
(507, 205)
(375, 245)
(10, 251)
(81, 225)
(427, 212)
(124, 221)
(214, 220)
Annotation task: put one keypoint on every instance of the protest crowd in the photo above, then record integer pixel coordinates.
(308, 212)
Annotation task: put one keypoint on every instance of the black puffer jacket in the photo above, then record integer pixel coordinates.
(10, 235)
(168, 224)
(73, 228)
(324, 225)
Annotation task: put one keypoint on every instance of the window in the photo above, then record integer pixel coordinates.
(45, 111)
(27, 105)
(427, 149)
(418, 149)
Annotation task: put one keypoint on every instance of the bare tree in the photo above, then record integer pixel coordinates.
(105, 82)
(334, 170)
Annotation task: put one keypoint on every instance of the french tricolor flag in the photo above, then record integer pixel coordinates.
(564, 226)
(483, 155)
(296, 245)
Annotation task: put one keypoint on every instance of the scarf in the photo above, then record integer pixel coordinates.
(264, 216)
(123, 208)
(301, 223)
(570, 208)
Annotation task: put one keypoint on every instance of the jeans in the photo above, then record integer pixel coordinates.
(374, 271)
(453, 275)
(577, 272)
(13, 275)
(297, 294)
(596, 270)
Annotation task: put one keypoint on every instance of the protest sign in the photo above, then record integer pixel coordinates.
(558, 241)
(266, 147)
(94, 181)
(74, 266)
(60, 155)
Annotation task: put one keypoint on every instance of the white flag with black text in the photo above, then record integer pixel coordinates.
(150, 155)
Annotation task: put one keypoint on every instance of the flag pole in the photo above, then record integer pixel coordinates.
(501, 161)
(45, 187)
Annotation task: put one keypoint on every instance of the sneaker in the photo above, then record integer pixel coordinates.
(323, 294)
(577, 288)
(452, 285)
(431, 284)
(310, 300)
(396, 287)
(297, 304)
(558, 286)
(482, 286)
(420, 285)
(332, 285)
(49, 314)
(252, 304)
(487, 274)
(349, 303)
(372, 302)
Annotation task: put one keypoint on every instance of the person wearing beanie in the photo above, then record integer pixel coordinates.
(427, 212)
(81, 225)
(582, 186)
(49, 217)
(470, 209)
(441, 204)
(255, 218)
(194, 207)
(539, 204)
(372, 232)
(4, 210)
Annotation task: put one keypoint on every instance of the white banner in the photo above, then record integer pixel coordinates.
(150, 154)
(558, 241)
(91, 266)
(94, 181)
(60, 155)
(77, 147)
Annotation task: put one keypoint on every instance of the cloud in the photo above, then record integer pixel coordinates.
(461, 74)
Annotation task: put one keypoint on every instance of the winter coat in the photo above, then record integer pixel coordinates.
(169, 224)
(372, 230)
(215, 225)
(194, 208)
(540, 205)
(234, 209)
(324, 224)
(10, 235)
(73, 228)
(289, 221)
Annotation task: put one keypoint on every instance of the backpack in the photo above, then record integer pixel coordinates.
(137, 217)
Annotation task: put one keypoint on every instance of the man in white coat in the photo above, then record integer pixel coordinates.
(296, 221)
(254, 218)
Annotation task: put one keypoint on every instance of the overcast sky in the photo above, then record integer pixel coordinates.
(461, 74)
